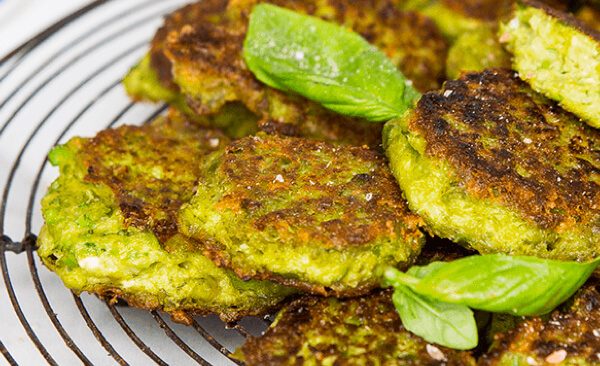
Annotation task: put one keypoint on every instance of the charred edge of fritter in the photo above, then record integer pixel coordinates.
(215, 252)
(141, 212)
(376, 308)
(175, 20)
(573, 315)
(439, 249)
(113, 295)
(566, 18)
(480, 173)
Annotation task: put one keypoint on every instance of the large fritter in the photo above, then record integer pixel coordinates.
(570, 336)
(198, 53)
(111, 230)
(358, 331)
(308, 214)
(558, 56)
(490, 163)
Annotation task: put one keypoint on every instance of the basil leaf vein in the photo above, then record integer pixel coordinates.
(326, 63)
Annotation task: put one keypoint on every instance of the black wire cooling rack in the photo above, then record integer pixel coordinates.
(61, 83)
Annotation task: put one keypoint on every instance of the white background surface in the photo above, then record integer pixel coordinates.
(21, 19)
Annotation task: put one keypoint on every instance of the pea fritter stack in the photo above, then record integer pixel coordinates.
(196, 60)
(110, 223)
(244, 196)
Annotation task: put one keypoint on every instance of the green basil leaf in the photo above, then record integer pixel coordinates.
(499, 283)
(326, 63)
(449, 325)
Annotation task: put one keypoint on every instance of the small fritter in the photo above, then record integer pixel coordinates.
(570, 336)
(110, 225)
(558, 55)
(489, 163)
(142, 83)
(455, 18)
(198, 53)
(308, 214)
(359, 331)
(476, 51)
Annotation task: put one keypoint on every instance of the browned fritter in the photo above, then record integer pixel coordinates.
(569, 336)
(307, 214)
(110, 225)
(200, 46)
(359, 331)
(511, 145)
(152, 169)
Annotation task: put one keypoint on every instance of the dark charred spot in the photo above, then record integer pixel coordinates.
(363, 178)
(571, 328)
(171, 148)
(207, 37)
(251, 205)
(440, 126)
(491, 126)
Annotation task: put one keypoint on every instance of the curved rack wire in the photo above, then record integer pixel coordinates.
(61, 83)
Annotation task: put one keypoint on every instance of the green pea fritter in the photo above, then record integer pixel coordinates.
(324, 218)
(476, 50)
(455, 18)
(197, 55)
(110, 225)
(491, 164)
(569, 336)
(357, 331)
(558, 55)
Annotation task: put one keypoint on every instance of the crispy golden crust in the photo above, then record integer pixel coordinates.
(510, 145)
(359, 331)
(151, 169)
(324, 178)
(568, 19)
(210, 35)
(573, 330)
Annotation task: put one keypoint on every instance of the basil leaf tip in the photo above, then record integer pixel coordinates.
(448, 325)
(434, 301)
(326, 63)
